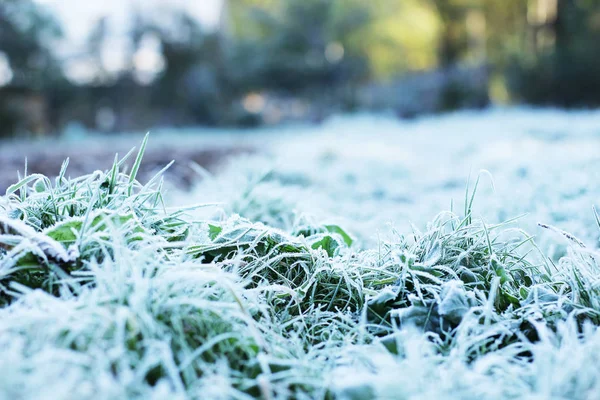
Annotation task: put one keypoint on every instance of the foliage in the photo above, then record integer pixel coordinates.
(319, 56)
(27, 33)
(564, 73)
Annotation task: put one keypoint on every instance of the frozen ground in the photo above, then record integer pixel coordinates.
(366, 172)
(106, 294)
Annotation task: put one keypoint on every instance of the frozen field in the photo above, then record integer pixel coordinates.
(352, 260)
(368, 172)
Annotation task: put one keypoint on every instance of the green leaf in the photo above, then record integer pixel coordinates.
(336, 229)
(137, 163)
(65, 232)
(454, 301)
(380, 304)
(214, 231)
(328, 244)
(503, 274)
(512, 300)
(28, 260)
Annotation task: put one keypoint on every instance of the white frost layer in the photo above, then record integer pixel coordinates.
(366, 171)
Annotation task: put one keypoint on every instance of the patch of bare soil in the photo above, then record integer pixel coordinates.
(85, 158)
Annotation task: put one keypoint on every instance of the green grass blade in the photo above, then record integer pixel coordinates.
(137, 163)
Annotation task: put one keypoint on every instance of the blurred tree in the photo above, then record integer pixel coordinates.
(564, 70)
(453, 35)
(295, 45)
(95, 43)
(191, 86)
(506, 29)
(319, 52)
(26, 34)
(400, 37)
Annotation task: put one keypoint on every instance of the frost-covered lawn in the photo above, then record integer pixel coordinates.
(367, 172)
(354, 260)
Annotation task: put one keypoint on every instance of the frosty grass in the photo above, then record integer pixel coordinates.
(454, 257)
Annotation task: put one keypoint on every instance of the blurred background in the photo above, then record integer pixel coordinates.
(130, 65)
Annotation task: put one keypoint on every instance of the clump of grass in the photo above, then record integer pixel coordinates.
(49, 230)
(300, 275)
(116, 263)
(454, 266)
